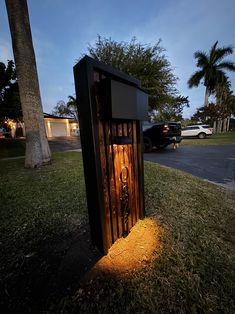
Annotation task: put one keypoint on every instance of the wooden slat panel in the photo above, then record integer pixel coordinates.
(113, 159)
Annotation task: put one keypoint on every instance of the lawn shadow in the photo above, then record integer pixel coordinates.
(51, 272)
(57, 269)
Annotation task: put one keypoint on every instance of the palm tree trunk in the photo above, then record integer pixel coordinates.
(228, 124)
(206, 101)
(215, 126)
(37, 148)
(219, 127)
(225, 121)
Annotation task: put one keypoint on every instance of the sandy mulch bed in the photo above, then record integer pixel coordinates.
(130, 254)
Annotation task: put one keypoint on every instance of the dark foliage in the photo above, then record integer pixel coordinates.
(10, 106)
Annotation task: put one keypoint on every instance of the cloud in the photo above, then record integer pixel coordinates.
(186, 26)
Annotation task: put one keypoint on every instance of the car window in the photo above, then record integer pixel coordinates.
(156, 127)
(192, 128)
(146, 126)
(174, 125)
(205, 126)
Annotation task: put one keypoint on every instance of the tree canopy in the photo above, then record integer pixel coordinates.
(148, 64)
(10, 106)
(214, 112)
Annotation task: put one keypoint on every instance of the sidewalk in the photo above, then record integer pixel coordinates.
(19, 157)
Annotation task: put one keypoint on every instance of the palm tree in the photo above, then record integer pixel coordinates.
(72, 105)
(37, 148)
(212, 69)
(225, 102)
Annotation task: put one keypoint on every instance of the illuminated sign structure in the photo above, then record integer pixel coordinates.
(111, 105)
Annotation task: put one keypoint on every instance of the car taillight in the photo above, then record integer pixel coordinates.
(165, 129)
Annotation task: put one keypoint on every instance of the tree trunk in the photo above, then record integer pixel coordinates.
(228, 124)
(206, 101)
(215, 126)
(219, 126)
(37, 148)
(225, 125)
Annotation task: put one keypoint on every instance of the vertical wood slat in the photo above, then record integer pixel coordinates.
(135, 165)
(105, 215)
(133, 177)
(116, 173)
(107, 174)
(119, 164)
(116, 183)
(99, 147)
(129, 183)
(140, 167)
(111, 180)
(105, 211)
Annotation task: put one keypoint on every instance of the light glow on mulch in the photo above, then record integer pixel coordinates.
(136, 251)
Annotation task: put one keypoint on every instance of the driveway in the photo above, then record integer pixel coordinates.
(64, 143)
(215, 163)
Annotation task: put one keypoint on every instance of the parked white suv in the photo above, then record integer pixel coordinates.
(200, 131)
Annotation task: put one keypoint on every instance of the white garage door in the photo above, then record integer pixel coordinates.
(58, 129)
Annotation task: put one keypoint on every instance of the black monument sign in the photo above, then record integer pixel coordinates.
(111, 106)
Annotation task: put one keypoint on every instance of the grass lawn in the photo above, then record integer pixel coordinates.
(12, 147)
(194, 273)
(215, 139)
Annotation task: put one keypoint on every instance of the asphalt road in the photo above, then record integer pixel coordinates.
(215, 163)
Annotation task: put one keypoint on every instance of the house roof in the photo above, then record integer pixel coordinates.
(47, 115)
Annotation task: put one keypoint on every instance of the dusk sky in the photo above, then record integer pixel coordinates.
(63, 29)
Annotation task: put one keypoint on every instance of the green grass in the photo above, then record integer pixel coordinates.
(12, 147)
(215, 139)
(195, 272)
(38, 204)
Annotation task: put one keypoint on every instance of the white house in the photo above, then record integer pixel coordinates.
(55, 127)
(59, 126)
